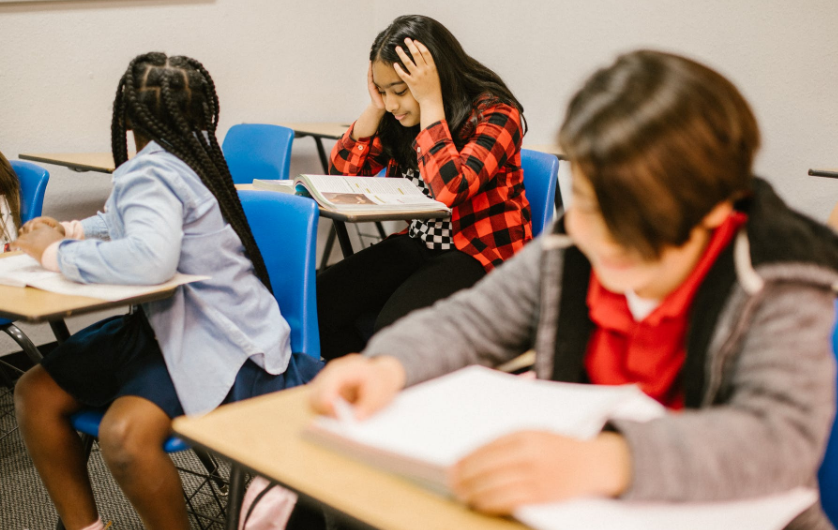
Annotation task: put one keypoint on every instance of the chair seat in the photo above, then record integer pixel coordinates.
(87, 421)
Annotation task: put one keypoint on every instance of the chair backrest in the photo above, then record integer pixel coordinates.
(258, 151)
(285, 229)
(541, 174)
(33, 185)
(828, 472)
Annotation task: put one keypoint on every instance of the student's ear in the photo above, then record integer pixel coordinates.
(717, 215)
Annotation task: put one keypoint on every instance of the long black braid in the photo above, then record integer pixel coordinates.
(172, 100)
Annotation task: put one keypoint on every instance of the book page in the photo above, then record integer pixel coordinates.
(23, 270)
(107, 291)
(18, 271)
(772, 512)
(442, 420)
(368, 192)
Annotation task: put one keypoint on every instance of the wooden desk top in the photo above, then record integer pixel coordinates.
(830, 173)
(34, 305)
(547, 148)
(330, 130)
(99, 162)
(264, 435)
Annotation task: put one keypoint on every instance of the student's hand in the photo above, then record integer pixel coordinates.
(367, 383)
(47, 221)
(532, 467)
(422, 79)
(37, 239)
(367, 123)
(375, 97)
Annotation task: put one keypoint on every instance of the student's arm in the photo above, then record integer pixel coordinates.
(456, 176)
(358, 152)
(148, 252)
(489, 324)
(362, 157)
(771, 434)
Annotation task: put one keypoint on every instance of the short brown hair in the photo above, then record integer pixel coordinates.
(662, 140)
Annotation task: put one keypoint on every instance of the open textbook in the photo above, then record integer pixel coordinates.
(22, 271)
(358, 194)
(431, 426)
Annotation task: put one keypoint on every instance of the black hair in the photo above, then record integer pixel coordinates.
(172, 100)
(463, 79)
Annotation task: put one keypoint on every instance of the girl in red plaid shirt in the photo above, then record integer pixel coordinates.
(449, 124)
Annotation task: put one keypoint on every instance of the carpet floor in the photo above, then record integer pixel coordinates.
(25, 505)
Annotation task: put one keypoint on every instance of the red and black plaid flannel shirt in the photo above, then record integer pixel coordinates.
(483, 183)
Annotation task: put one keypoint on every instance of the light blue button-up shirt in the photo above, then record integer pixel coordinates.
(161, 219)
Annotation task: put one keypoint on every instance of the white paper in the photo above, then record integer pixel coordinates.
(22, 270)
(444, 419)
(16, 271)
(772, 512)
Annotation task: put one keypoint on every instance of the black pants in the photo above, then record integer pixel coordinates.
(380, 284)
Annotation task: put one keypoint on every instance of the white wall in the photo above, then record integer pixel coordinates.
(279, 60)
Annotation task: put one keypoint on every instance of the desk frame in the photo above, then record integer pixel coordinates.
(828, 173)
(79, 162)
(362, 495)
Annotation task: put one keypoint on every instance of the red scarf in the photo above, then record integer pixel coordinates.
(649, 353)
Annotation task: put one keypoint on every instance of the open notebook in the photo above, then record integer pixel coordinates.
(431, 426)
(22, 270)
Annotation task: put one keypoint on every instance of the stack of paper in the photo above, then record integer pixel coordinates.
(431, 426)
(773, 512)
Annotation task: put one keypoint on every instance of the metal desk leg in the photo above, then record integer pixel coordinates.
(558, 199)
(235, 497)
(343, 238)
(59, 329)
(330, 241)
(321, 152)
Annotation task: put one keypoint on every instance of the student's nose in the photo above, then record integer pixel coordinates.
(391, 104)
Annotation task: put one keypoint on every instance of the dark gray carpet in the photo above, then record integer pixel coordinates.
(25, 505)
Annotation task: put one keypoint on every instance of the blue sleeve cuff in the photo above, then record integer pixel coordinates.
(95, 227)
(66, 263)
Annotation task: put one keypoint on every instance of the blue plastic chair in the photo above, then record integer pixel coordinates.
(285, 230)
(541, 175)
(828, 472)
(33, 185)
(258, 151)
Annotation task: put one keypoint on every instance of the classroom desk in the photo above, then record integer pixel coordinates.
(81, 162)
(359, 217)
(318, 131)
(36, 306)
(830, 173)
(263, 435)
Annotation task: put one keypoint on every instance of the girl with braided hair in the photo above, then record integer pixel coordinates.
(173, 208)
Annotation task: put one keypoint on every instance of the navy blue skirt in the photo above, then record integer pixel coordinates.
(119, 356)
